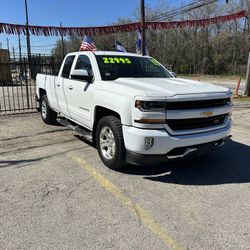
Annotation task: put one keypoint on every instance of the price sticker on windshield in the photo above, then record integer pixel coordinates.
(116, 60)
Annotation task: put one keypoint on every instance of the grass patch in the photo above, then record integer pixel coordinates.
(226, 77)
(242, 99)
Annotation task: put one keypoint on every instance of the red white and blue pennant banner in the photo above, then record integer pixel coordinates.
(9, 28)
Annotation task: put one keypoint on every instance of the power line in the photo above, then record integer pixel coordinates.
(156, 17)
(38, 49)
(43, 46)
(182, 10)
(177, 13)
(185, 9)
(40, 46)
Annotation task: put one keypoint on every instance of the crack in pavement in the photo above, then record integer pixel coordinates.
(19, 163)
(38, 134)
(78, 185)
(34, 147)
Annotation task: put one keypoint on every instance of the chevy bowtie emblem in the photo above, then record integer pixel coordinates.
(207, 114)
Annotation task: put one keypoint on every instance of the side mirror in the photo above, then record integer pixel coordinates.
(81, 74)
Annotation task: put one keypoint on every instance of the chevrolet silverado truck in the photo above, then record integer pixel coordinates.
(133, 109)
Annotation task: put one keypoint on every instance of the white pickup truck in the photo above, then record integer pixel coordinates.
(133, 109)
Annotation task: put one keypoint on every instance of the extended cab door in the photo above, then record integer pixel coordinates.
(79, 93)
(60, 85)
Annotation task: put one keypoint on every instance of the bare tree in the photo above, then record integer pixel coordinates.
(217, 49)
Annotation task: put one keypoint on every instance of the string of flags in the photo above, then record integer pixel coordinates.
(9, 28)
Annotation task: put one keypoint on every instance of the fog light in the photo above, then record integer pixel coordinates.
(149, 142)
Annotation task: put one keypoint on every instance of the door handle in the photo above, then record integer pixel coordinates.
(58, 84)
(70, 87)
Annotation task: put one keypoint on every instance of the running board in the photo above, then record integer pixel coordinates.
(86, 134)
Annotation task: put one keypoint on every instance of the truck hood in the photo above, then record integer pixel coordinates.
(169, 86)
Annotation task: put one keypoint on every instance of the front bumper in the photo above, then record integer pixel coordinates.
(177, 153)
(134, 139)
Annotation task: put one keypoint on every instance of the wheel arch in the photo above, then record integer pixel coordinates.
(41, 92)
(99, 113)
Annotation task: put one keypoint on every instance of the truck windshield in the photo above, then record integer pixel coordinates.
(116, 66)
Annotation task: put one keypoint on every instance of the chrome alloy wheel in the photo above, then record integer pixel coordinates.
(44, 109)
(107, 143)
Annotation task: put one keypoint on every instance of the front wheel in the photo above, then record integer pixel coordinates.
(110, 144)
(48, 115)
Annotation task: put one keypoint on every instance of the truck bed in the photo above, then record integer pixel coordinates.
(48, 83)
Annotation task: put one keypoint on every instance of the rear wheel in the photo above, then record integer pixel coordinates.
(48, 115)
(110, 144)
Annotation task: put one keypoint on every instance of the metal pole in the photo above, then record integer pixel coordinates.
(8, 45)
(143, 37)
(247, 89)
(62, 40)
(14, 54)
(26, 84)
(20, 57)
(28, 35)
(19, 48)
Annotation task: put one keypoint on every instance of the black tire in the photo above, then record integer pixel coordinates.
(47, 114)
(119, 157)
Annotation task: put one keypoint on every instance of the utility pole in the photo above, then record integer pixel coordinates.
(8, 45)
(20, 56)
(14, 56)
(62, 40)
(28, 34)
(19, 48)
(143, 37)
(247, 89)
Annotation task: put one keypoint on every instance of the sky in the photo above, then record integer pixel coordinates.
(70, 13)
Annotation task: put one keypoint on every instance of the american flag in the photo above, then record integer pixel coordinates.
(88, 44)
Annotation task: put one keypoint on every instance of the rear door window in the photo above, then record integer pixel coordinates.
(67, 66)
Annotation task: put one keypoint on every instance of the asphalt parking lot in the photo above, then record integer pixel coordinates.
(56, 194)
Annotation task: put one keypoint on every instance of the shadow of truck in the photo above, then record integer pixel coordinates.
(230, 164)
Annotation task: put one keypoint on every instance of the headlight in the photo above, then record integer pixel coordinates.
(150, 106)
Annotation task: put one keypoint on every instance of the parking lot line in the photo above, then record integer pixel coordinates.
(143, 215)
